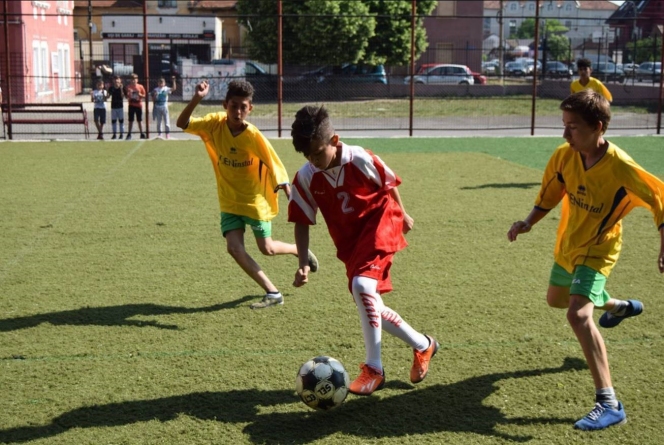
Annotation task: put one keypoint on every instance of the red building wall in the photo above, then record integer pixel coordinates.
(456, 39)
(41, 45)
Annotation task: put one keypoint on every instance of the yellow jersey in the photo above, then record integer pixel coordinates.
(246, 166)
(593, 84)
(594, 203)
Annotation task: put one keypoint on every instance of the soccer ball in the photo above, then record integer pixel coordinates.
(322, 383)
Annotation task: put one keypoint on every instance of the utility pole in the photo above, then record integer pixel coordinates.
(501, 44)
(90, 42)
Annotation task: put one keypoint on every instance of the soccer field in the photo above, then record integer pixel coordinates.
(124, 321)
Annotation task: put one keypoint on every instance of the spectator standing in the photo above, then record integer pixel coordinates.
(135, 94)
(116, 92)
(160, 109)
(99, 96)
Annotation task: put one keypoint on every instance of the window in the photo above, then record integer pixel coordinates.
(513, 7)
(40, 61)
(64, 67)
(167, 4)
(531, 7)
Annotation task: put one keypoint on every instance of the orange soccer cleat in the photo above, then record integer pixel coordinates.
(369, 380)
(421, 361)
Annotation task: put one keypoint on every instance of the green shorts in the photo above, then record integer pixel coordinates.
(584, 281)
(230, 221)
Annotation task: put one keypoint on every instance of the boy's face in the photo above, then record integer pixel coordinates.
(161, 83)
(134, 80)
(323, 155)
(100, 85)
(584, 73)
(579, 134)
(117, 82)
(237, 110)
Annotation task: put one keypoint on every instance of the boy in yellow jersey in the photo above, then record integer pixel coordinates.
(249, 175)
(585, 82)
(598, 185)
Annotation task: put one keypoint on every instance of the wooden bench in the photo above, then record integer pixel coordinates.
(45, 114)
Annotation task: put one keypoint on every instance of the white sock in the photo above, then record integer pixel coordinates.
(369, 308)
(395, 325)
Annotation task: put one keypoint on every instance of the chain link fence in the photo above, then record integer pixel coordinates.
(460, 84)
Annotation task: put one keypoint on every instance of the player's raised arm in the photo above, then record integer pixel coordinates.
(200, 92)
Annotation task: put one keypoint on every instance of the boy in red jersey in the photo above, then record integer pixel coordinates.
(357, 195)
(598, 184)
(249, 175)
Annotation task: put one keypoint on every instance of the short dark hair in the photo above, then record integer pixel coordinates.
(311, 124)
(584, 63)
(240, 88)
(591, 106)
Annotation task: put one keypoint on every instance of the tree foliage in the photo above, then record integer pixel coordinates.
(551, 26)
(334, 32)
(558, 48)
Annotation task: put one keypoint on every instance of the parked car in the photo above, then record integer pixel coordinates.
(444, 74)
(630, 69)
(478, 78)
(351, 72)
(649, 70)
(556, 69)
(522, 67)
(490, 68)
(608, 72)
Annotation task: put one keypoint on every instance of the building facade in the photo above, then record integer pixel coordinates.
(585, 20)
(40, 49)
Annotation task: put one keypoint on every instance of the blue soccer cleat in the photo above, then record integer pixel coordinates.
(609, 320)
(602, 416)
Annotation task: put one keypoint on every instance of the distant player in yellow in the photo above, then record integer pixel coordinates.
(585, 82)
(249, 175)
(598, 185)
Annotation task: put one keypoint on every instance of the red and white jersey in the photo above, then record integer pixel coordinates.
(355, 200)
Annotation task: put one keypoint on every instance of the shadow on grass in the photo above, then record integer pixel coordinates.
(507, 185)
(457, 407)
(113, 315)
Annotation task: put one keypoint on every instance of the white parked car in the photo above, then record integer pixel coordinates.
(649, 70)
(445, 74)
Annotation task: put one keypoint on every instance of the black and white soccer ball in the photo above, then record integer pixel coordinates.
(322, 383)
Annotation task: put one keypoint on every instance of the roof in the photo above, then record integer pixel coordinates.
(627, 12)
(584, 5)
(211, 4)
(194, 4)
(109, 3)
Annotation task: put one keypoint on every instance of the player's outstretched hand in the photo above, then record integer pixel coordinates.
(518, 228)
(408, 223)
(301, 277)
(202, 89)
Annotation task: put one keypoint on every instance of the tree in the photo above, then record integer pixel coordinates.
(391, 41)
(558, 48)
(551, 26)
(332, 31)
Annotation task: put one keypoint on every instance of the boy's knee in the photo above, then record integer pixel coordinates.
(235, 251)
(577, 318)
(266, 249)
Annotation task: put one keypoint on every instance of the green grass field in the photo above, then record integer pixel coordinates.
(124, 321)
